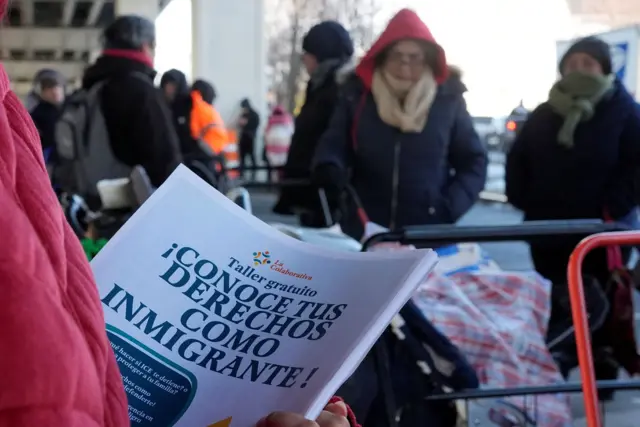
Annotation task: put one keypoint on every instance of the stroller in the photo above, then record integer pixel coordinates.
(119, 200)
(209, 166)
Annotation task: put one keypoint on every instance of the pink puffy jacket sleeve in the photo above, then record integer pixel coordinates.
(56, 364)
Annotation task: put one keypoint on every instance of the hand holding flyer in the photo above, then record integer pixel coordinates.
(217, 319)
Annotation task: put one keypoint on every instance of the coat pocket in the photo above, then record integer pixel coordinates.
(436, 208)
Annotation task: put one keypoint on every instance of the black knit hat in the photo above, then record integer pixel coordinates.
(328, 40)
(205, 89)
(595, 48)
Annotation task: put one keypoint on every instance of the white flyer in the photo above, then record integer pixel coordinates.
(217, 319)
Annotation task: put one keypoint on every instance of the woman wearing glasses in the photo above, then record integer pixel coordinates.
(401, 134)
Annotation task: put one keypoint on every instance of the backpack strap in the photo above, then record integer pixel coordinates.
(138, 75)
(96, 91)
(141, 76)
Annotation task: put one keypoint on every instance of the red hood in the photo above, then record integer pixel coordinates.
(406, 24)
(3, 7)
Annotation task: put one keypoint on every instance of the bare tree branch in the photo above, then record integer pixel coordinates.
(289, 20)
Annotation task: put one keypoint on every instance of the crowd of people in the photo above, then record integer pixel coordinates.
(156, 129)
(61, 370)
(394, 128)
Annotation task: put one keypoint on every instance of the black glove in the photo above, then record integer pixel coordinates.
(330, 177)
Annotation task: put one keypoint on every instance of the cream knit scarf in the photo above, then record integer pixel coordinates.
(401, 104)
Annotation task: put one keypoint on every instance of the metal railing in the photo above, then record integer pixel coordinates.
(485, 196)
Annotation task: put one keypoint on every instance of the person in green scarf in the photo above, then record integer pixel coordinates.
(575, 97)
(577, 157)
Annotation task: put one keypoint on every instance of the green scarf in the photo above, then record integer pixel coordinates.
(575, 97)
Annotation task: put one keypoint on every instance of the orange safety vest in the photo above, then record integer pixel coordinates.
(231, 154)
(207, 125)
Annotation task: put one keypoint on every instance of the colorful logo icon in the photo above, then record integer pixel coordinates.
(222, 423)
(261, 258)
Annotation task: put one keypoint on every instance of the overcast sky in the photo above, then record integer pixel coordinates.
(506, 48)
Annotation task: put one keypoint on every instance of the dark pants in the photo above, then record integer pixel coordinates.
(270, 170)
(247, 151)
(551, 262)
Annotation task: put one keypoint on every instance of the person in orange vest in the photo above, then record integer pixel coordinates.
(206, 123)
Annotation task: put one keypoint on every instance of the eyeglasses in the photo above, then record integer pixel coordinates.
(411, 59)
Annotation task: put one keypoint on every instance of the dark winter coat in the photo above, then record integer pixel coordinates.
(181, 107)
(45, 115)
(310, 125)
(548, 181)
(405, 179)
(136, 116)
(249, 130)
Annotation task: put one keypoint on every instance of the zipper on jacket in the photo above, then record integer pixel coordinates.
(395, 184)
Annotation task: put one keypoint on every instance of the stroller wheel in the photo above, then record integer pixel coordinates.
(76, 213)
(204, 171)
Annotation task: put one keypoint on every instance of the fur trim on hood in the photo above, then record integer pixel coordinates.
(345, 72)
(455, 72)
(453, 82)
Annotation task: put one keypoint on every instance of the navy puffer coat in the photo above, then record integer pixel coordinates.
(403, 179)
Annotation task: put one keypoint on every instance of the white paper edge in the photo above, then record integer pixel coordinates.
(420, 270)
(182, 174)
(425, 261)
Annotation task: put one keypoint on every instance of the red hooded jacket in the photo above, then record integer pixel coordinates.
(406, 24)
(359, 147)
(57, 367)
